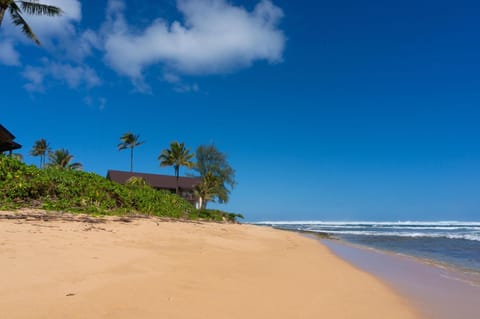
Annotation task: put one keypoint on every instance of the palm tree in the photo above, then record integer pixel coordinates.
(129, 140)
(16, 8)
(40, 148)
(61, 159)
(177, 155)
(207, 189)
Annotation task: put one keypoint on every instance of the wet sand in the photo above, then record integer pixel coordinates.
(438, 292)
(148, 268)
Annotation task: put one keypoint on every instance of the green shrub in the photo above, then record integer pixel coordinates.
(215, 215)
(22, 185)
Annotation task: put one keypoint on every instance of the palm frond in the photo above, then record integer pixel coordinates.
(35, 8)
(123, 146)
(18, 20)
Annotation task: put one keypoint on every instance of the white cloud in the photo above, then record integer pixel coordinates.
(216, 37)
(186, 88)
(213, 37)
(61, 38)
(35, 77)
(47, 28)
(100, 102)
(8, 55)
(171, 78)
(178, 84)
(58, 35)
(73, 76)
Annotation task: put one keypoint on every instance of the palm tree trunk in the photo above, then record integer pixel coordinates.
(2, 13)
(177, 172)
(131, 159)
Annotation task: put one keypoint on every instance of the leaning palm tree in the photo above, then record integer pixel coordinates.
(33, 7)
(61, 159)
(177, 155)
(129, 140)
(40, 148)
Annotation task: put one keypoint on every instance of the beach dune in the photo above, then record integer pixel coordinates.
(147, 268)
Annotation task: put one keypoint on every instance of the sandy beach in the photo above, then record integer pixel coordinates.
(147, 268)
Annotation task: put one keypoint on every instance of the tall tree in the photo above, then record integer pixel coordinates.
(40, 148)
(130, 140)
(177, 155)
(61, 159)
(207, 189)
(33, 7)
(212, 162)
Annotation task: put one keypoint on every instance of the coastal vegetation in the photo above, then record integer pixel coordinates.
(218, 177)
(130, 141)
(54, 188)
(177, 155)
(58, 183)
(41, 148)
(62, 159)
(17, 8)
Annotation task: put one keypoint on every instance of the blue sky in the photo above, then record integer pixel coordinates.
(328, 110)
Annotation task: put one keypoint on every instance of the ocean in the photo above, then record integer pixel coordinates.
(445, 243)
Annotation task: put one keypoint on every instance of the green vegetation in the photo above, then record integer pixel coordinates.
(32, 7)
(215, 215)
(53, 188)
(218, 177)
(61, 159)
(41, 148)
(136, 181)
(129, 140)
(177, 155)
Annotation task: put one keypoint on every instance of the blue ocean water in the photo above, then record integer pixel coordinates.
(451, 243)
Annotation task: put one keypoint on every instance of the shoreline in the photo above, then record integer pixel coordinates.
(150, 268)
(438, 291)
(466, 275)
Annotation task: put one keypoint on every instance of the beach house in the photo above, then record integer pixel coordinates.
(165, 182)
(7, 143)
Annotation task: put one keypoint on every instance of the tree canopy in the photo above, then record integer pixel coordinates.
(218, 177)
(40, 148)
(177, 155)
(129, 140)
(61, 159)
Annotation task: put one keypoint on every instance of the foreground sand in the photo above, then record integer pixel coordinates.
(147, 268)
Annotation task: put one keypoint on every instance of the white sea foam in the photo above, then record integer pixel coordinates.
(475, 237)
(377, 223)
(415, 229)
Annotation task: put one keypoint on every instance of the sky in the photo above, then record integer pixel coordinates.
(327, 110)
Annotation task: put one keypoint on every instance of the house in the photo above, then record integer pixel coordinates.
(166, 182)
(6, 141)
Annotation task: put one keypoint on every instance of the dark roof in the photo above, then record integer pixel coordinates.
(6, 140)
(155, 180)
